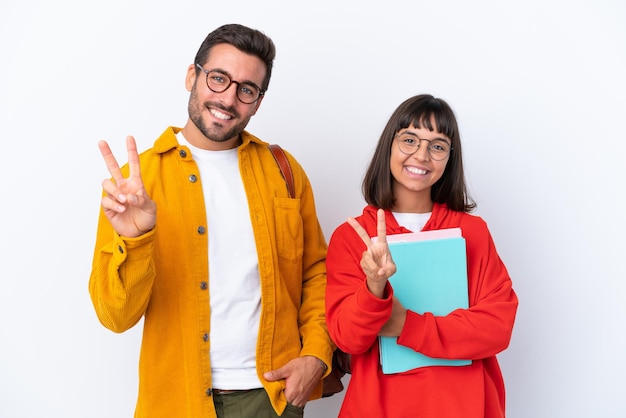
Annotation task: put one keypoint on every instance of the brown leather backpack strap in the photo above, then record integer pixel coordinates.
(285, 167)
(341, 361)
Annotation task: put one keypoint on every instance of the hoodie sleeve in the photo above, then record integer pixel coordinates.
(354, 316)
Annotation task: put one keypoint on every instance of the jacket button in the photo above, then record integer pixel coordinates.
(201, 230)
(205, 337)
(203, 285)
(209, 392)
(193, 178)
(182, 153)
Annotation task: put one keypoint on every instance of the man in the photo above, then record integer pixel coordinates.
(198, 236)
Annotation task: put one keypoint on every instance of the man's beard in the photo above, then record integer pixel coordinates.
(214, 132)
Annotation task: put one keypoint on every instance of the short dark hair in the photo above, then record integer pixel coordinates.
(245, 39)
(419, 111)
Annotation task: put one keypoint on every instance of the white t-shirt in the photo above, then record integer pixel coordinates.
(412, 221)
(234, 282)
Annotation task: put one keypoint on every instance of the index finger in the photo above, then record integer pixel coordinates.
(381, 226)
(133, 157)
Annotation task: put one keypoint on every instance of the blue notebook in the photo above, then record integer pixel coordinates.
(431, 276)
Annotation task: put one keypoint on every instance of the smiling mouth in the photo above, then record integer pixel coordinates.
(220, 115)
(415, 170)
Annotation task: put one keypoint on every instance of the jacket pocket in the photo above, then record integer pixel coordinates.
(289, 230)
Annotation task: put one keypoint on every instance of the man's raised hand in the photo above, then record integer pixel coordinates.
(125, 202)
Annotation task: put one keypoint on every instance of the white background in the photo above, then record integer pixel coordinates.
(539, 91)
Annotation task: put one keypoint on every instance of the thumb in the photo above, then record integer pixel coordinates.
(274, 375)
(132, 199)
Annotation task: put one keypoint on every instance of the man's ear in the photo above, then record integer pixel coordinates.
(257, 104)
(190, 80)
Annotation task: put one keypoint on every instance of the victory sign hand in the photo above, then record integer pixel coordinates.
(376, 261)
(126, 203)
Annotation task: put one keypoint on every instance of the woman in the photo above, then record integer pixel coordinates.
(415, 182)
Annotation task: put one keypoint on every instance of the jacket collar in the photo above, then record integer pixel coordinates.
(168, 140)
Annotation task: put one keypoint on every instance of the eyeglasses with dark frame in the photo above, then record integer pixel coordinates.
(409, 144)
(219, 82)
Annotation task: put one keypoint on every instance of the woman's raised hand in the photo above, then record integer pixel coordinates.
(125, 202)
(376, 261)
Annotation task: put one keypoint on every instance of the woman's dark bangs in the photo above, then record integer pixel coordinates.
(443, 123)
(422, 113)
